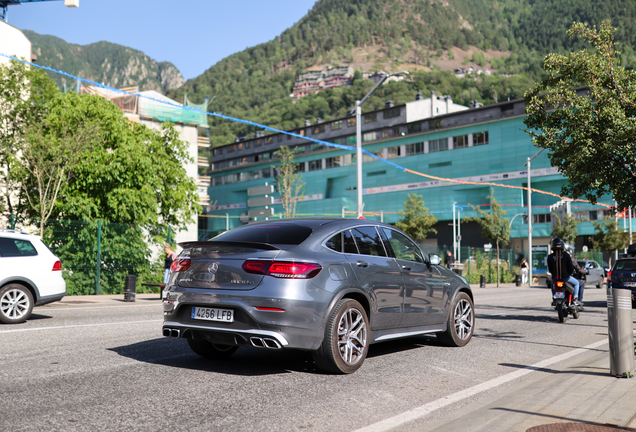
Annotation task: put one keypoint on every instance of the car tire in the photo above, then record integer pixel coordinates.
(209, 350)
(601, 283)
(346, 341)
(460, 324)
(16, 304)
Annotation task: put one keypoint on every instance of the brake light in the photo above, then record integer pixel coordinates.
(282, 269)
(559, 284)
(609, 276)
(57, 266)
(180, 265)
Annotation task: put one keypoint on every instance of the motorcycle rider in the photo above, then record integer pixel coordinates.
(561, 268)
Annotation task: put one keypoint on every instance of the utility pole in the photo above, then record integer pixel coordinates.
(454, 233)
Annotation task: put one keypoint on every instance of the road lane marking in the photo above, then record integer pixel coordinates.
(426, 409)
(78, 325)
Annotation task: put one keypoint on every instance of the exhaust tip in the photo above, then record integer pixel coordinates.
(271, 343)
(175, 333)
(257, 342)
(166, 332)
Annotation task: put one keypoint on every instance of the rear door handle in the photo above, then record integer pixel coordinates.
(362, 264)
(407, 268)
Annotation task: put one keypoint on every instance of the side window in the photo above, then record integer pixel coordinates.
(403, 247)
(342, 242)
(14, 247)
(368, 241)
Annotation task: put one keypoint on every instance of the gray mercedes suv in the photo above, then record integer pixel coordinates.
(330, 286)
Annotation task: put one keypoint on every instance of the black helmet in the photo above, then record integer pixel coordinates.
(557, 243)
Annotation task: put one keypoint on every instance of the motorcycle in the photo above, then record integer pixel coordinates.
(564, 299)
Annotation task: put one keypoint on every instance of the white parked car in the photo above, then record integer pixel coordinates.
(30, 275)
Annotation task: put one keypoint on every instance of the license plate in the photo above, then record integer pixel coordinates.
(211, 314)
(630, 284)
(559, 294)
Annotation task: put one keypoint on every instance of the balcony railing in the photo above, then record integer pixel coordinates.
(203, 142)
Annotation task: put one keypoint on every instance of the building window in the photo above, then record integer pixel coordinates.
(392, 113)
(319, 129)
(351, 140)
(300, 167)
(480, 138)
(334, 162)
(413, 149)
(369, 136)
(266, 173)
(460, 141)
(339, 141)
(438, 145)
(269, 139)
(231, 148)
(351, 121)
(315, 165)
(393, 152)
(239, 146)
(396, 132)
(299, 149)
(258, 142)
(415, 128)
(255, 175)
(280, 137)
(336, 125)
(317, 147)
(301, 132)
(370, 118)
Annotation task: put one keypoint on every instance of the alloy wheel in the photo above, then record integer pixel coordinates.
(463, 319)
(352, 336)
(14, 304)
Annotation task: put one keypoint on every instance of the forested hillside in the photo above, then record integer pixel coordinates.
(425, 37)
(104, 62)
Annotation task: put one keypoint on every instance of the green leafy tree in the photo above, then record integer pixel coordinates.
(494, 226)
(566, 230)
(590, 135)
(416, 221)
(46, 165)
(608, 236)
(23, 96)
(289, 182)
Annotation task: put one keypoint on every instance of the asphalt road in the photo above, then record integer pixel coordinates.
(95, 367)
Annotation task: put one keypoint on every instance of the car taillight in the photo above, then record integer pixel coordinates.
(57, 266)
(282, 269)
(180, 265)
(609, 276)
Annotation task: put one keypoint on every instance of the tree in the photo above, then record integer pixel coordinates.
(494, 226)
(416, 221)
(289, 182)
(566, 230)
(23, 96)
(132, 174)
(590, 135)
(608, 236)
(46, 166)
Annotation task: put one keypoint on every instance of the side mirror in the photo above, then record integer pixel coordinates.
(434, 259)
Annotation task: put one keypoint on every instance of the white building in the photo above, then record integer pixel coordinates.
(434, 106)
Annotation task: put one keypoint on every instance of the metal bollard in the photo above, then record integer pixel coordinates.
(620, 332)
(130, 288)
(518, 280)
(482, 281)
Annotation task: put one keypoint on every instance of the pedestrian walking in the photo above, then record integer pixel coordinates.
(524, 271)
(449, 259)
(170, 257)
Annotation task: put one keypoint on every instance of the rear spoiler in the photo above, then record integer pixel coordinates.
(212, 244)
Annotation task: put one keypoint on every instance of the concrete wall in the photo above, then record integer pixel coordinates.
(13, 42)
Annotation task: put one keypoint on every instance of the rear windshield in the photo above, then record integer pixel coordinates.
(282, 233)
(628, 264)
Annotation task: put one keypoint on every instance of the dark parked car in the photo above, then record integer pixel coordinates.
(623, 273)
(329, 286)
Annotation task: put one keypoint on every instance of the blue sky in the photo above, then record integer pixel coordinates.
(192, 34)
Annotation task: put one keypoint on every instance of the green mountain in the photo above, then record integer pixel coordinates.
(426, 37)
(104, 62)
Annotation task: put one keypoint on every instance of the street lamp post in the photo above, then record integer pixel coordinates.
(358, 112)
(530, 219)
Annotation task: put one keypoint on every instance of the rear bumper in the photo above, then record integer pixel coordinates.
(300, 325)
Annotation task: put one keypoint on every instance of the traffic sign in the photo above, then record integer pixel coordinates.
(260, 201)
(263, 212)
(260, 190)
(487, 246)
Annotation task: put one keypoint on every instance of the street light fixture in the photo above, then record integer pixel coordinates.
(358, 110)
(530, 219)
